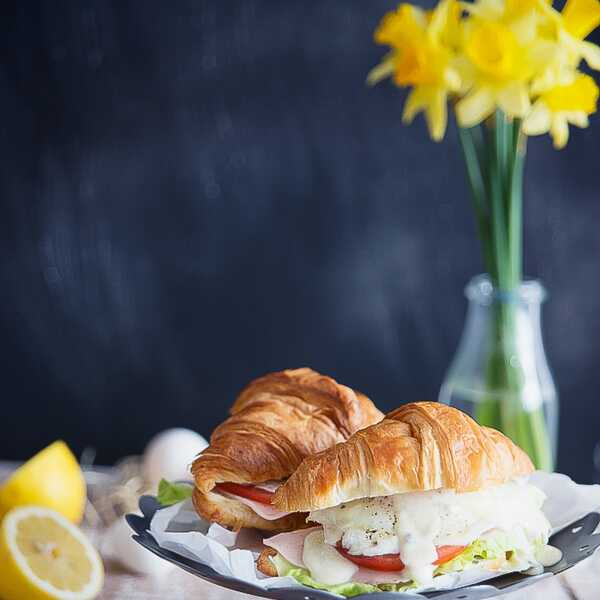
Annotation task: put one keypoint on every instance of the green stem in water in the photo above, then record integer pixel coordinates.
(497, 161)
(495, 176)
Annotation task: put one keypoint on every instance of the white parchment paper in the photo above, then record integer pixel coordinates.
(180, 530)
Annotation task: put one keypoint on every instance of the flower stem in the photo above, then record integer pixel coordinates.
(471, 145)
(515, 215)
(495, 176)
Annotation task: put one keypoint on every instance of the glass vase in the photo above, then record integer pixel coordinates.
(500, 374)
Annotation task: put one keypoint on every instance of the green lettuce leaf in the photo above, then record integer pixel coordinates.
(498, 547)
(478, 551)
(171, 493)
(303, 576)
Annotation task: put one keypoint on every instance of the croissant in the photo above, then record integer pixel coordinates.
(276, 422)
(419, 446)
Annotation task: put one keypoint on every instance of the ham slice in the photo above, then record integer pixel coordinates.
(270, 486)
(290, 546)
(374, 577)
(270, 513)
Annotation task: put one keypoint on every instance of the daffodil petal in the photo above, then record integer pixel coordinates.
(543, 54)
(591, 54)
(477, 105)
(525, 28)
(552, 77)
(396, 25)
(559, 130)
(581, 17)
(466, 72)
(381, 71)
(436, 114)
(539, 120)
(452, 79)
(439, 17)
(581, 95)
(485, 9)
(578, 118)
(414, 104)
(513, 99)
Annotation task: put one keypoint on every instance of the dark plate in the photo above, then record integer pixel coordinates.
(575, 541)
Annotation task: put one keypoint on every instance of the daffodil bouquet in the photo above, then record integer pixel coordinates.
(508, 69)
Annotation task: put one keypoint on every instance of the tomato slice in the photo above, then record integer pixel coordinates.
(446, 553)
(393, 562)
(383, 562)
(247, 491)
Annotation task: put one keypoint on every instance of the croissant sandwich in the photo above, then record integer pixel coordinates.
(422, 494)
(276, 422)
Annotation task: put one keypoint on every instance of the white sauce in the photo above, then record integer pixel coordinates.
(324, 562)
(414, 524)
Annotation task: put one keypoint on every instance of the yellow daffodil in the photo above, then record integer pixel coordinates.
(503, 50)
(521, 15)
(579, 19)
(564, 95)
(421, 57)
(568, 104)
(570, 28)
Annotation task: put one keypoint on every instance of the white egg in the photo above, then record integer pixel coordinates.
(118, 545)
(170, 454)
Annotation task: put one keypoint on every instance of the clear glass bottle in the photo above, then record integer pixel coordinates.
(500, 374)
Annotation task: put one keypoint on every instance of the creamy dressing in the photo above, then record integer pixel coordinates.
(290, 545)
(414, 524)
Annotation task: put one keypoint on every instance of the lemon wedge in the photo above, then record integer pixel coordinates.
(45, 557)
(52, 478)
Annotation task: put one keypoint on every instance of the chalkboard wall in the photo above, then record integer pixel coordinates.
(196, 193)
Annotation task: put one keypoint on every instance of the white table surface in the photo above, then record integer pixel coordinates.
(579, 583)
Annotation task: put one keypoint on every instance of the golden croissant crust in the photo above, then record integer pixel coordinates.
(276, 422)
(419, 446)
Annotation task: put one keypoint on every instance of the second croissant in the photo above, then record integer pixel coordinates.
(276, 422)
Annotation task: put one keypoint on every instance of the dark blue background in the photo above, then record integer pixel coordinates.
(196, 193)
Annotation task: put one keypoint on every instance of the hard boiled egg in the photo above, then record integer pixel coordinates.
(169, 455)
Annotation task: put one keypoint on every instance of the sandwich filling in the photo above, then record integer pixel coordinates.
(411, 538)
(258, 497)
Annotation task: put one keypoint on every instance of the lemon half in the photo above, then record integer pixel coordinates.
(52, 478)
(45, 557)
